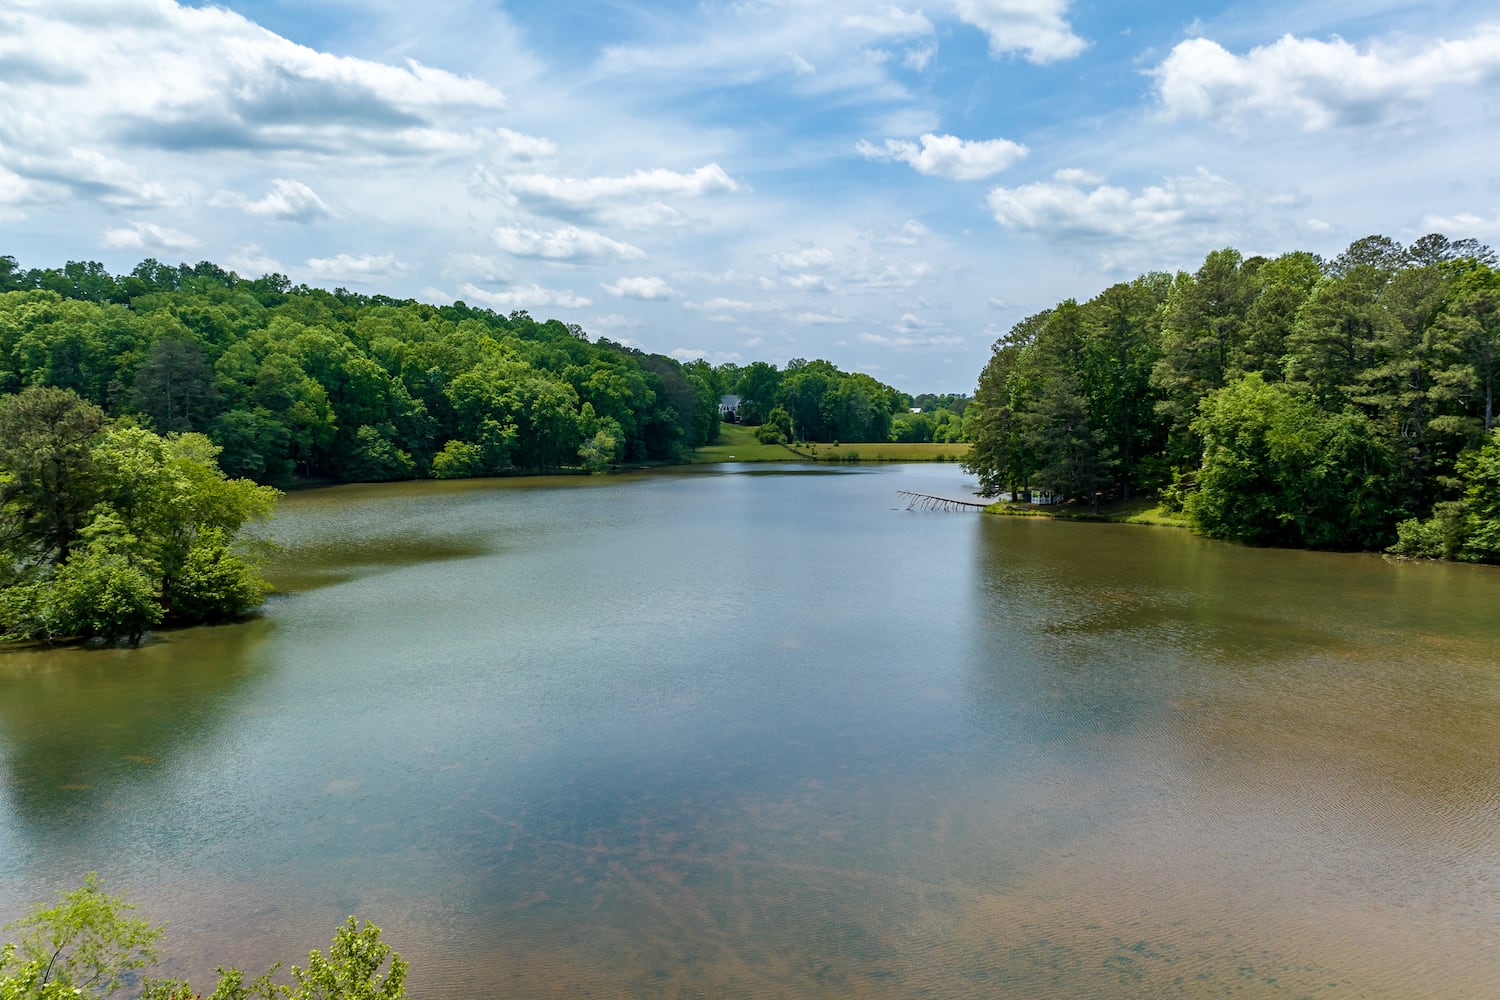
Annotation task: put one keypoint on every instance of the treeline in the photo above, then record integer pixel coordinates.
(304, 382)
(1345, 403)
(814, 401)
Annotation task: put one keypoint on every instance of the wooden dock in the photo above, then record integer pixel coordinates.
(921, 501)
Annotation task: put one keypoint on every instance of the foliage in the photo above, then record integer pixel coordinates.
(1284, 401)
(1468, 528)
(88, 947)
(1278, 471)
(110, 528)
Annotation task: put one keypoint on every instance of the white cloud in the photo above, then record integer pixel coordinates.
(948, 156)
(1074, 175)
(1321, 84)
(688, 353)
(569, 244)
(352, 267)
(156, 74)
(251, 261)
(889, 22)
(911, 233)
(918, 57)
(614, 321)
(1036, 28)
(147, 236)
(1066, 209)
(884, 274)
(903, 340)
(726, 305)
(809, 283)
(476, 267)
(527, 297)
(633, 199)
(287, 200)
(810, 259)
(646, 288)
(524, 147)
(820, 319)
(1463, 225)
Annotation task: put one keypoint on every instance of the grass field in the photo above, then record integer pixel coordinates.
(737, 444)
(1139, 511)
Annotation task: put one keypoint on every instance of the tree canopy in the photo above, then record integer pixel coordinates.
(107, 528)
(292, 381)
(1289, 401)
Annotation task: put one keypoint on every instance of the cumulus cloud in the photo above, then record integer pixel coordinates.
(527, 297)
(1038, 29)
(1321, 84)
(1181, 211)
(148, 236)
(183, 77)
(632, 199)
(567, 245)
(146, 77)
(74, 171)
(1068, 208)
(352, 267)
(645, 288)
(287, 200)
(948, 156)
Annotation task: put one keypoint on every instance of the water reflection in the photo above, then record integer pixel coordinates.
(78, 728)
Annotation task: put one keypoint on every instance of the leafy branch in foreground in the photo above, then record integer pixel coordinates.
(89, 947)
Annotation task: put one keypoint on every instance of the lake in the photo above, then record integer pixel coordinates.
(741, 731)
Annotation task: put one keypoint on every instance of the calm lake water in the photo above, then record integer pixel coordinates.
(752, 731)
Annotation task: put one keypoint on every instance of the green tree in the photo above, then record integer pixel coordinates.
(48, 479)
(1279, 471)
(175, 386)
(87, 945)
(1201, 333)
(1001, 456)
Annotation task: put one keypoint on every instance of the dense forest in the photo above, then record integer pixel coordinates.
(299, 382)
(1345, 403)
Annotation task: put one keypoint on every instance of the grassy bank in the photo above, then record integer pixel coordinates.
(737, 444)
(1138, 511)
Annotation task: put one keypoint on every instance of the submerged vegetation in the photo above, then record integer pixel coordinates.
(1341, 404)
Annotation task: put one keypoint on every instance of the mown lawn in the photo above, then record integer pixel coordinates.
(737, 444)
(1146, 510)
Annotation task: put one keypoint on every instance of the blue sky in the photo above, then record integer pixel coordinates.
(886, 185)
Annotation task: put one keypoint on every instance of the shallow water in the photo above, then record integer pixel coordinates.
(763, 732)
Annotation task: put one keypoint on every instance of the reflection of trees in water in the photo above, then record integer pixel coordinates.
(78, 725)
